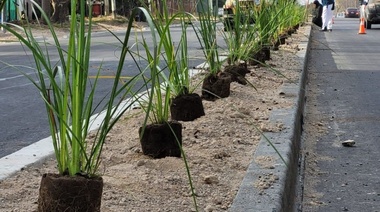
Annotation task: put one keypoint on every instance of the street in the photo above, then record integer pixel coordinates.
(342, 104)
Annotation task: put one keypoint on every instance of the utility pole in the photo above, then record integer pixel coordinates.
(113, 8)
(2, 20)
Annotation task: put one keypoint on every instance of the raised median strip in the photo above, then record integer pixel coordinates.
(271, 186)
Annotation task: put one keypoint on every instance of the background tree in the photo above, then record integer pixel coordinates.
(46, 7)
(124, 7)
(61, 10)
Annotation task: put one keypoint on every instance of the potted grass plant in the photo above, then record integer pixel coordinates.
(299, 15)
(283, 11)
(168, 77)
(240, 40)
(290, 16)
(159, 136)
(216, 84)
(68, 95)
(185, 104)
(266, 24)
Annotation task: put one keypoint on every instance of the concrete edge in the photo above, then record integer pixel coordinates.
(272, 187)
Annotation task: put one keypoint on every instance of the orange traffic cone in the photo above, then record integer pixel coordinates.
(361, 28)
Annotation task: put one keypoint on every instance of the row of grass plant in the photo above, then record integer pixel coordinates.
(69, 108)
(167, 62)
(64, 86)
(258, 26)
(271, 18)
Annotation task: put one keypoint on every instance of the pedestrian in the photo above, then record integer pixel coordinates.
(317, 13)
(363, 4)
(327, 14)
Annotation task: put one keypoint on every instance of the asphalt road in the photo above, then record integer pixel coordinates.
(343, 103)
(22, 112)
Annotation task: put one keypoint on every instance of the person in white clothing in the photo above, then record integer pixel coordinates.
(327, 14)
(363, 4)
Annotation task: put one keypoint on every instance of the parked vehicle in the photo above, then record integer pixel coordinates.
(352, 12)
(371, 13)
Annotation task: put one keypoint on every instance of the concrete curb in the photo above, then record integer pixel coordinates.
(279, 181)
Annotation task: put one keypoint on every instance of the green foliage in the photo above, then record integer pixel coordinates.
(241, 39)
(266, 23)
(167, 63)
(158, 102)
(175, 56)
(207, 37)
(275, 17)
(68, 96)
(271, 18)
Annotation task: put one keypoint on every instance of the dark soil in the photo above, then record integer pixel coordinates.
(187, 107)
(216, 86)
(238, 73)
(64, 193)
(260, 56)
(159, 141)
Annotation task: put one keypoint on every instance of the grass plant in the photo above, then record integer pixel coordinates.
(241, 39)
(175, 56)
(157, 104)
(266, 24)
(68, 93)
(167, 65)
(206, 33)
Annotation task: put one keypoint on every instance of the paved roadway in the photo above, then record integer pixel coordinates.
(22, 112)
(343, 103)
